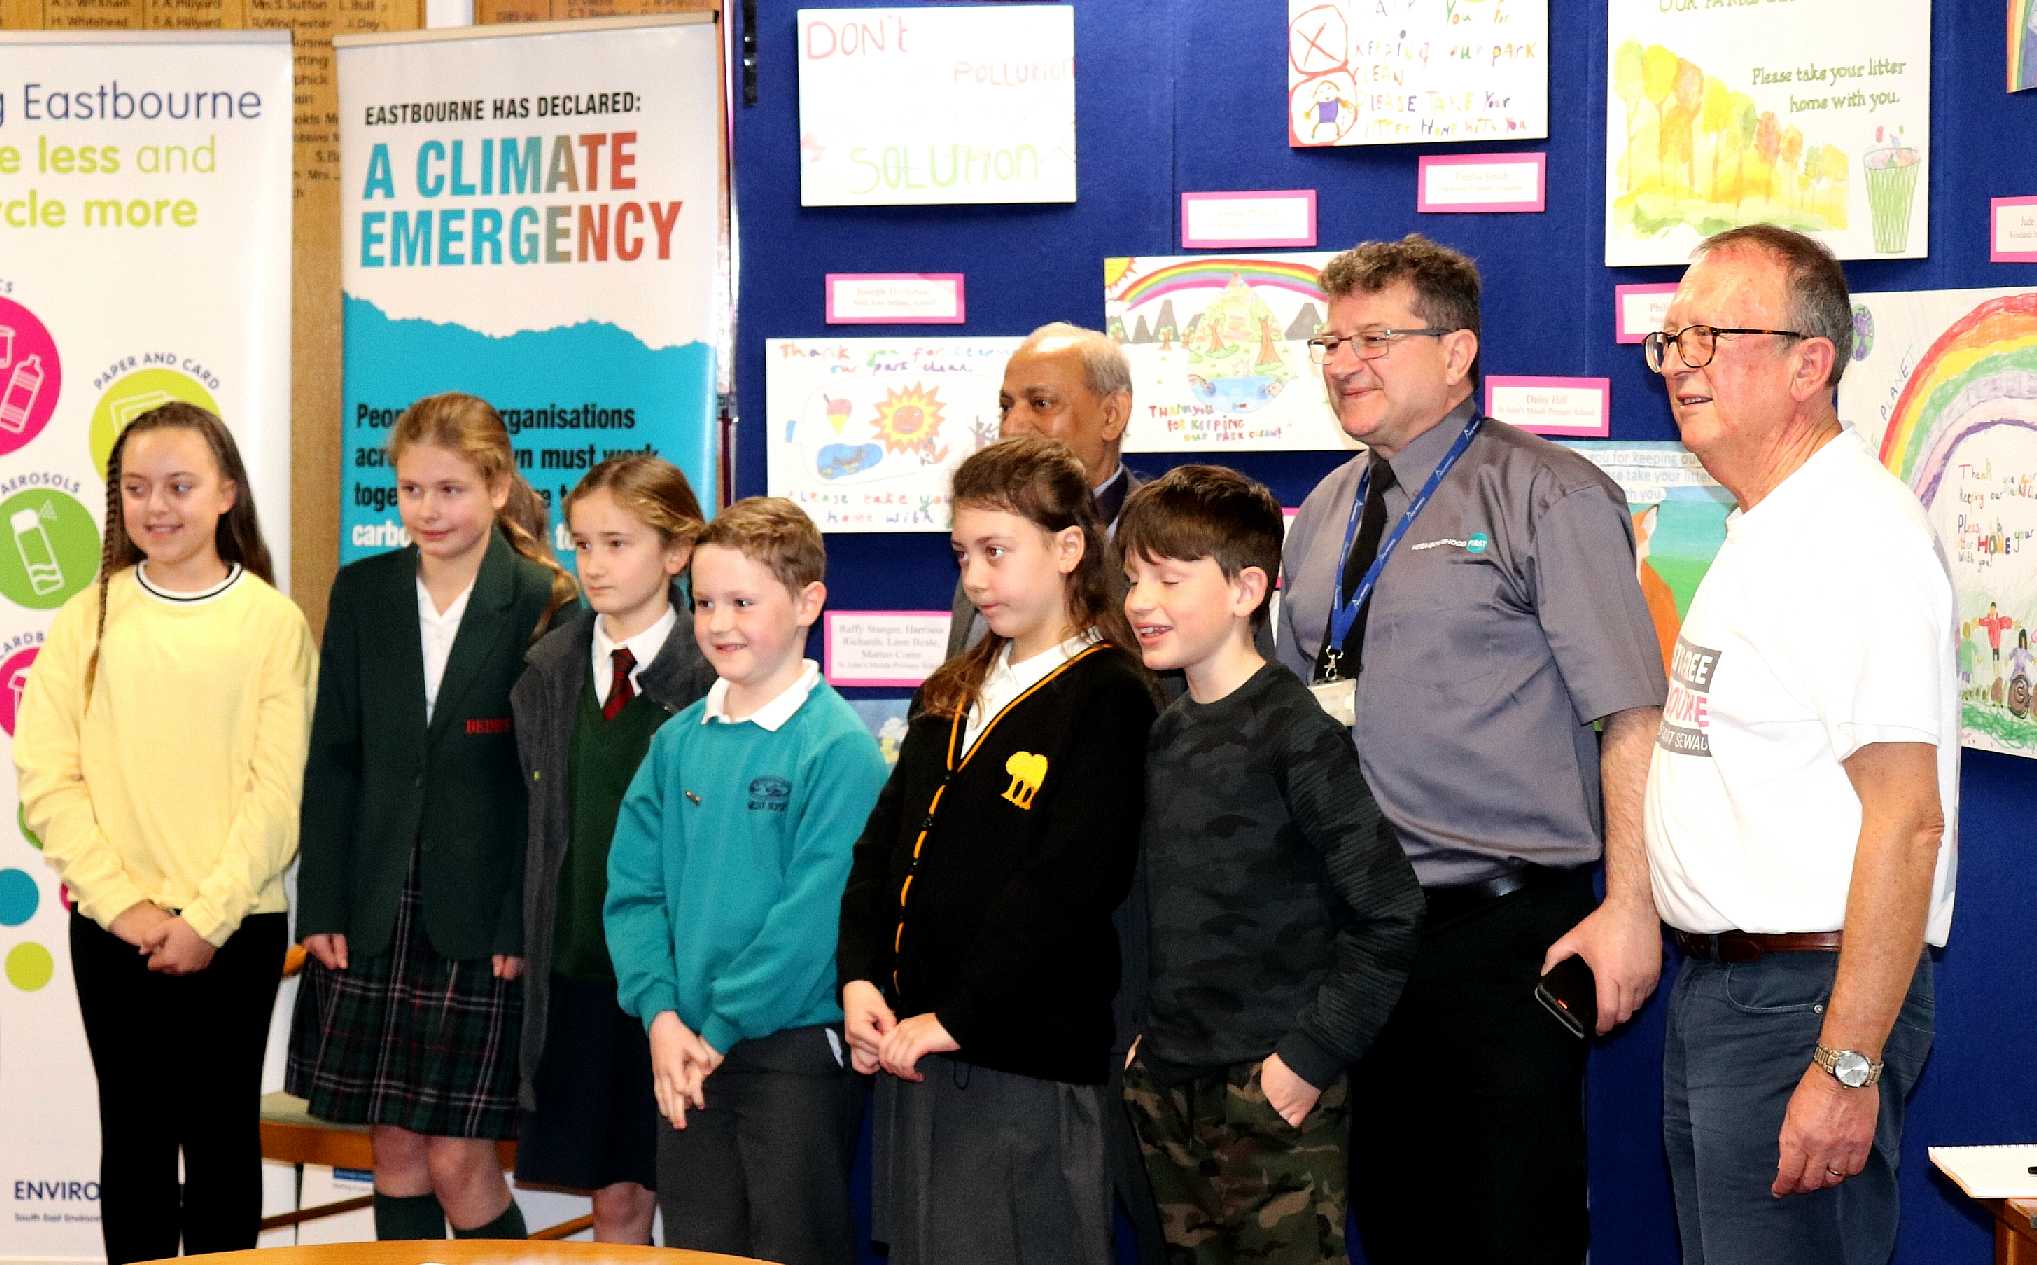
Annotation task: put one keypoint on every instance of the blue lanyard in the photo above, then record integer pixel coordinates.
(1345, 613)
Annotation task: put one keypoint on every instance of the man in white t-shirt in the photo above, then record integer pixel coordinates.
(1802, 798)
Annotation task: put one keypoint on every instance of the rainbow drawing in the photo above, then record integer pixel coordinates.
(1954, 375)
(2022, 44)
(1132, 288)
(1216, 348)
(1980, 374)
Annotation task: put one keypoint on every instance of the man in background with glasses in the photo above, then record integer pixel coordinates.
(1805, 782)
(1463, 594)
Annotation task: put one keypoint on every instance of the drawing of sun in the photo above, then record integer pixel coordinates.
(908, 419)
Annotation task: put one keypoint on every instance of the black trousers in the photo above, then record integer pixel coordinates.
(1473, 1087)
(179, 1062)
(763, 1170)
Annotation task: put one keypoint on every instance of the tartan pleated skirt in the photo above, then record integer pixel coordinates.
(408, 1037)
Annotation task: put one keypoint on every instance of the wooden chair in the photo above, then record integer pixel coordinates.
(291, 1135)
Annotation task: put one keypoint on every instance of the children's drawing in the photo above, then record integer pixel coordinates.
(866, 431)
(1434, 70)
(1947, 392)
(1679, 514)
(886, 719)
(1710, 125)
(2022, 44)
(936, 104)
(1219, 351)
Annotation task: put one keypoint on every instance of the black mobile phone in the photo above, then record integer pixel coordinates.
(1570, 992)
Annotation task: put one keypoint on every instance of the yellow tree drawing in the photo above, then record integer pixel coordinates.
(1698, 154)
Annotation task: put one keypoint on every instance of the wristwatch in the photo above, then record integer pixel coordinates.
(1850, 1068)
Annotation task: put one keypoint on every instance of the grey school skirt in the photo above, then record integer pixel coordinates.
(976, 1165)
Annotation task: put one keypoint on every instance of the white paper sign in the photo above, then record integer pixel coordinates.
(866, 432)
(1427, 71)
(900, 648)
(914, 107)
(1814, 115)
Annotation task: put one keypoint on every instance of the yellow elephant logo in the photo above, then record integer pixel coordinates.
(1027, 772)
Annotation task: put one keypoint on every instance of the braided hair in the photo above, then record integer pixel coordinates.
(470, 426)
(238, 537)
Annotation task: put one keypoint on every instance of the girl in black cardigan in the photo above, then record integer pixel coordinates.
(977, 957)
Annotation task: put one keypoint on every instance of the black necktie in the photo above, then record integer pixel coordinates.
(1371, 527)
(620, 688)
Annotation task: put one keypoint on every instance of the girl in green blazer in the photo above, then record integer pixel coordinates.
(411, 887)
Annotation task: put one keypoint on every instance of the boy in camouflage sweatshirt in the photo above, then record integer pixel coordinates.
(1284, 912)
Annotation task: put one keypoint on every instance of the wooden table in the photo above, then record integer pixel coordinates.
(2015, 1231)
(465, 1252)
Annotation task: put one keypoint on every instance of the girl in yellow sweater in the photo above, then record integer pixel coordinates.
(160, 748)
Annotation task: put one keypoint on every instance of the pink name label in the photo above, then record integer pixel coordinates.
(895, 298)
(1552, 406)
(1482, 182)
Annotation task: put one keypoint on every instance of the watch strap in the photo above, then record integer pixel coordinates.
(1828, 1059)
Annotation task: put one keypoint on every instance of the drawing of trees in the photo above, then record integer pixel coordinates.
(1699, 154)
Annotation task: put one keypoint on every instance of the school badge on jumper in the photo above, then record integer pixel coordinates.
(1027, 772)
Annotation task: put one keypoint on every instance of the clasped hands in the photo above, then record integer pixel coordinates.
(879, 1039)
(681, 1062)
(164, 938)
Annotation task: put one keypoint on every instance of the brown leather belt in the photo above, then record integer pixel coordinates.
(1746, 946)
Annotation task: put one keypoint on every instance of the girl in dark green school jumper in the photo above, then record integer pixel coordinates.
(977, 957)
(596, 691)
(410, 896)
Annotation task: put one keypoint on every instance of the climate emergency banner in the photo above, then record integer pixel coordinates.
(533, 214)
(145, 212)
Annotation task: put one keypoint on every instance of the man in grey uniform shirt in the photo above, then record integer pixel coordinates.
(1505, 621)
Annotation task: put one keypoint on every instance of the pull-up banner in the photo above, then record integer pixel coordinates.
(144, 257)
(531, 213)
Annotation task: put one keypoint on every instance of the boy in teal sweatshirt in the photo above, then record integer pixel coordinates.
(724, 890)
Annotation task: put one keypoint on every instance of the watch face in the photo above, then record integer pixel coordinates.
(1851, 1068)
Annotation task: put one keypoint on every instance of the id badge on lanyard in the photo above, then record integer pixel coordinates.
(1338, 698)
(1335, 694)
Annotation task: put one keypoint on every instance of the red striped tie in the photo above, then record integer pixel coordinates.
(620, 691)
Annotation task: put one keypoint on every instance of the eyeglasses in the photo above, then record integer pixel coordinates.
(1367, 344)
(1696, 344)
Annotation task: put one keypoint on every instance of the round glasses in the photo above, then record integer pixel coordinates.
(1367, 344)
(1696, 344)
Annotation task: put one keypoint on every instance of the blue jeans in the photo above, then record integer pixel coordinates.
(1740, 1036)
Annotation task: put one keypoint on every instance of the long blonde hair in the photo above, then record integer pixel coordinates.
(470, 426)
(1041, 481)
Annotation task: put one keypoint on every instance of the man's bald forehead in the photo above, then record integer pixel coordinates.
(1104, 369)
